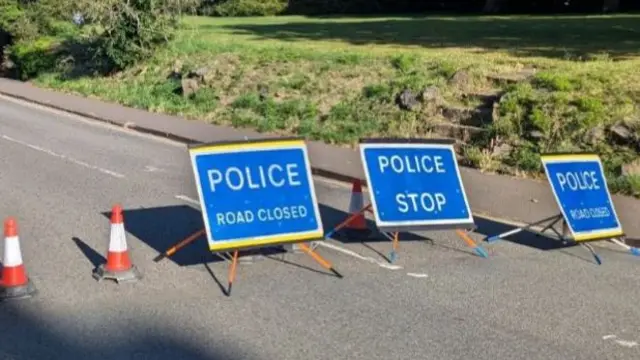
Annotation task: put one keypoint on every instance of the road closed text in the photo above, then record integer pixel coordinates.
(413, 202)
(262, 215)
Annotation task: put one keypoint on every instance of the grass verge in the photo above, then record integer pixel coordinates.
(508, 88)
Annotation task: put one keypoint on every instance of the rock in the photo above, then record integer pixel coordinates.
(263, 91)
(198, 74)
(406, 100)
(621, 132)
(189, 87)
(594, 135)
(466, 116)
(456, 114)
(513, 78)
(633, 168)
(502, 150)
(460, 79)
(430, 94)
(536, 135)
(455, 131)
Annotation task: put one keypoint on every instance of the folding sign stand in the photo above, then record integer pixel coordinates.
(587, 212)
(394, 236)
(255, 194)
(234, 257)
(551, 222)
(415, 185)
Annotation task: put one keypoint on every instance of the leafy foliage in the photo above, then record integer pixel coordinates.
(121, 32)
(132, 30)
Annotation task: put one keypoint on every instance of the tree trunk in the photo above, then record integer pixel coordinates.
(492, 6)
(610, 6)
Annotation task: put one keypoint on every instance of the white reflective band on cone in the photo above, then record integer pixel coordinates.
(117, 241)
(12, 254)
(357, 202)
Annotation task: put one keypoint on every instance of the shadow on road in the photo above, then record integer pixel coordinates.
(26, 334)
(162, 227)
(91, 254)
(488, 227)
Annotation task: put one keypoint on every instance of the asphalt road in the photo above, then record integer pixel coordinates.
(59, 176)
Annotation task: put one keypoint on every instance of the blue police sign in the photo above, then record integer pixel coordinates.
(257, 193)
(415, 185)
(581, 191)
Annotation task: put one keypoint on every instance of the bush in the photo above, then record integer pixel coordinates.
(16, 22)
(33, 57)
(132, 30)
(243, 7)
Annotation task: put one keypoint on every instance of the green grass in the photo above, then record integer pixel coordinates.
(335, 79)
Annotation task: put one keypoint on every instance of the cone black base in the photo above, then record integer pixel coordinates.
(131, 275)
(18, 292)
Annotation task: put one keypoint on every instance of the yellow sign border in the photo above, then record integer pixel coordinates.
(570, 157)
(245, 145)
(274, 240)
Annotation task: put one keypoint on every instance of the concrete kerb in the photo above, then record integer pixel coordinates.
(336, 163)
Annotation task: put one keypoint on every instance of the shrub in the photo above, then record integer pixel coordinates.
(33, 57)
(132, 30)
(16, 21)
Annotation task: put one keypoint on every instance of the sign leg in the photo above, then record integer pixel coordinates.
(494, 238)
(347, 221)
(232, 271)
(172, 250)
(326, 264)
(634, 251)
(393, 256)
(593, 252)
(479, 250)
(551, 226)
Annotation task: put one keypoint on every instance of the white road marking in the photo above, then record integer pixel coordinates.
(150, 168)
(187, 199)
(357, 256)
(64, 157)
(416, 275)
(626, 343)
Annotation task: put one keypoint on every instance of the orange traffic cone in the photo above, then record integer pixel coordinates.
(358, 226)
(118, 266)
(15, 284)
